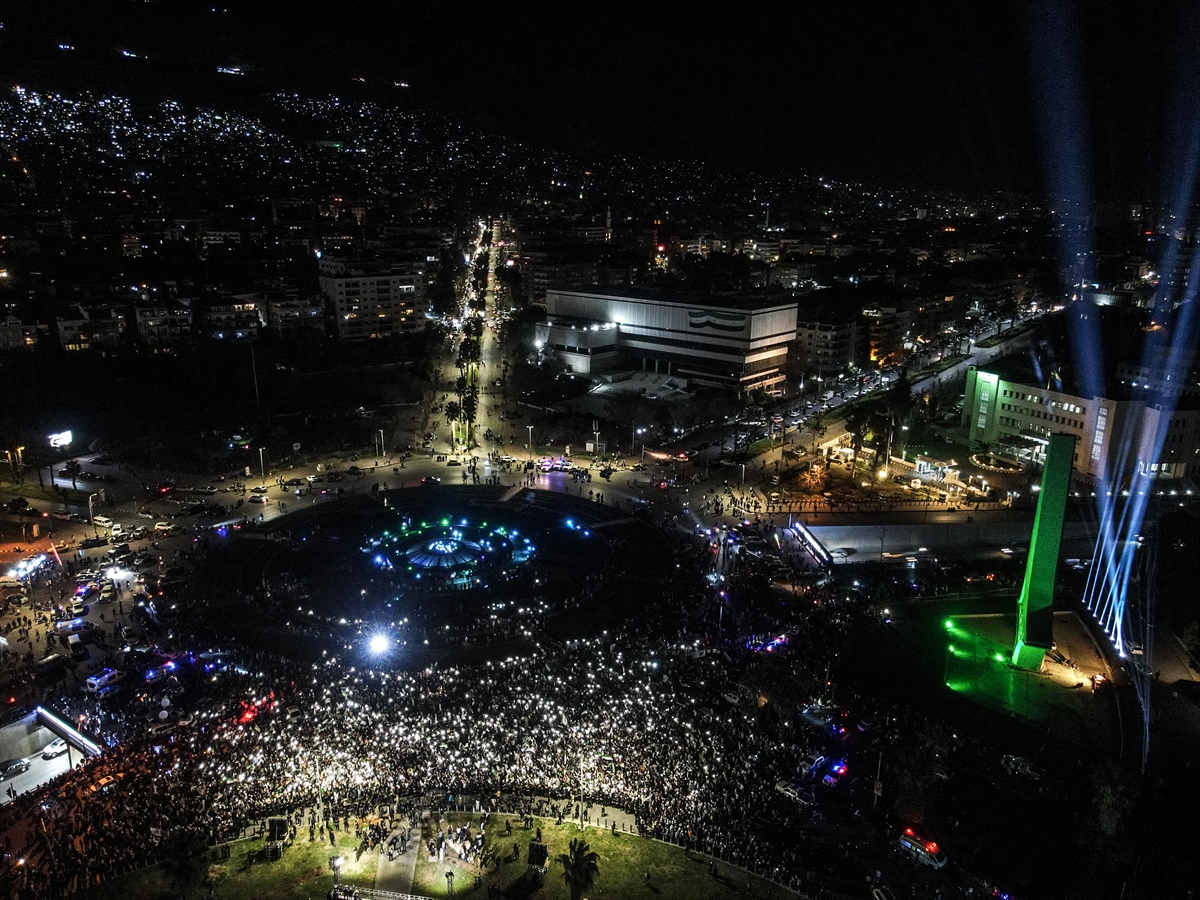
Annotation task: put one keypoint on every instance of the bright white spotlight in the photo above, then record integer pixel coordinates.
(379, 644)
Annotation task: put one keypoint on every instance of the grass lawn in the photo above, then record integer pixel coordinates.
(624, 860)
(40, 495)
(302, 874)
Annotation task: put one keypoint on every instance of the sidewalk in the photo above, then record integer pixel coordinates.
(396, 875)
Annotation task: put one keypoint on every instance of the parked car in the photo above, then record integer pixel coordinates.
(1018, 765)
(925, 852)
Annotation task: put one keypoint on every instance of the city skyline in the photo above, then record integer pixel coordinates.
(698, 441)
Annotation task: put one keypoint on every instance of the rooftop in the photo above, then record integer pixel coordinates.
(683, 296)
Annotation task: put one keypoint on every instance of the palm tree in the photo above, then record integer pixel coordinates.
(816, 425)
(453, 414)
(581, 867)
(857, 421)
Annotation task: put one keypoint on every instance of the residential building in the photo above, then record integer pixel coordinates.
(90, 328)
(288, 313)
(232, 317)
(166, 326)
(369, 299)
(826, 340)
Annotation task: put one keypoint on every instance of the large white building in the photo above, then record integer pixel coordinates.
(738, 341)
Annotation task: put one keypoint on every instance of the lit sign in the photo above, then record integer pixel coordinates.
(62, 439)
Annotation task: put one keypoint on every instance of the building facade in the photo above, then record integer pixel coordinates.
(289, 313)
(826, 346)
(369, 300)
(1016, 417)
(164, 327)
(732, 341)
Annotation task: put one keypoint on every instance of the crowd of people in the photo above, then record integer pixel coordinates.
(634, 720)
(637, 720)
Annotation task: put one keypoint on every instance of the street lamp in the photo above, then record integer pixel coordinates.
(91, 521)
(530, 427)
(262, 465)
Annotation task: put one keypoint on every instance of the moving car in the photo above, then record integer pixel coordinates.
(54, 748)
(11, 767)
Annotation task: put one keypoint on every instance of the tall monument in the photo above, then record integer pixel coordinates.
(1035, 608)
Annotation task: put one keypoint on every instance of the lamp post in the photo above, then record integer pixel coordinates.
(381, 442)
(262, 464)
(91, 521)
(530, 428)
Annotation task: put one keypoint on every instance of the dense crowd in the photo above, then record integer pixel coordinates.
(635, 719)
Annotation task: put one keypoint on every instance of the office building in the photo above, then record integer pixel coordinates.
(731, 340)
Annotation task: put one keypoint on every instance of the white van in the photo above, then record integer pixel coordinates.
(70, 626)
(75, 645)
(102, 521)
(95, 683)
(926, 852)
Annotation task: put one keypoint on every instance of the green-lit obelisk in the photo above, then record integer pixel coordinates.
(1035, 609)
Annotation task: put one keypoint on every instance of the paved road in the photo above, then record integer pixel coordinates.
(40, 771)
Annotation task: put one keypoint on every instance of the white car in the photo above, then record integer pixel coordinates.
(54, 748)
(793, 791)
(787, 789)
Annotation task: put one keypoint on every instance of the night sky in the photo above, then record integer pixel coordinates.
(959, 95)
